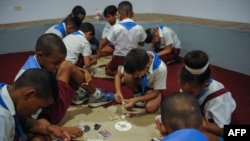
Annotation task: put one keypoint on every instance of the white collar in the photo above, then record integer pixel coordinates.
(127, 20)
(7, 99)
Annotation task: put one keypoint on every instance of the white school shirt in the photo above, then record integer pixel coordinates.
(59, 33)
(157, 78)
(220, 108)
(76, 44)
(7, 122)
(125, 40)
(107, 28)
(168, 36)
(30, 63)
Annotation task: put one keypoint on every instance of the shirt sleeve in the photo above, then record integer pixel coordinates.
(220, 109)
(160, 79)
(167, 37)
(86, 50)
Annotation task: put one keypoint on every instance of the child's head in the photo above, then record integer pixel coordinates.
(195, 75)
(110, 13)
(78, 11)
(72, 24)
(88, 29)
(50, 51)
(178, 111)
(152, 35)
(125, 10)
(34, 89)
(137, 62)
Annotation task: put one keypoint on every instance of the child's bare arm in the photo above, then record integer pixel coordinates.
(214, 128)
(118, 93)
(102, 44)
(166, 50)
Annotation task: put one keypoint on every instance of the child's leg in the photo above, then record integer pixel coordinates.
(69, 71)
(112, 66)
(107, 50)
(153, 105)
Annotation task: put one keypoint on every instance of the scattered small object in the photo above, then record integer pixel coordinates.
(113, 118)
(104, 133)
(123, 117)
(123, 126)
(155, 139)
(84, 128)
(97, 126)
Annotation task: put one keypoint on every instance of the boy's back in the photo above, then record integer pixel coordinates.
(125, 36)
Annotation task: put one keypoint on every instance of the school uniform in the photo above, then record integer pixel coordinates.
(77, 46)
(218, 108)
(167, 37)
(157, 74)
(58, 109)
(156, 77)
(188, 134)
(58, 29)
(125, 36)
(107, 28)
(7, 123)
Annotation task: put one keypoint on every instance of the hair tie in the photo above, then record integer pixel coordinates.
(197, 71)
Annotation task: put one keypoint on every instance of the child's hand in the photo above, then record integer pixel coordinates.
(74, 132)
(94, 61)
(118, 97)
(129, 103)
(55, 132)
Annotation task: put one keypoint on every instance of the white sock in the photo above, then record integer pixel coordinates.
(97, 93)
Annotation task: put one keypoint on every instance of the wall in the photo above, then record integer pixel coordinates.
(12, 11)
(223, 10)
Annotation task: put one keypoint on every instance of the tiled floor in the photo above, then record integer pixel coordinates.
(151, 17)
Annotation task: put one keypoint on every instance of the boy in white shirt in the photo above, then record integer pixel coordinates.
(78, 46)
(125, 36)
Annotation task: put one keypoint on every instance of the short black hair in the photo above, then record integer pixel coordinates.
(195, 59)
(111, 9)
(49, 42)
(77, 10)
(87, 27)
(136, 60)
(43, 81)
(73, 21)
(149, 37)
(125, 8)
(181, 110)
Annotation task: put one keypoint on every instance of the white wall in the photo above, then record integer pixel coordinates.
(224, 10)
(32, 10)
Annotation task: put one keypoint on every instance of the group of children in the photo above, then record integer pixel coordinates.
(64, 52)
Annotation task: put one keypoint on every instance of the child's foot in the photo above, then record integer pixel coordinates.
(102, 99)
(139, 104)
(80, 96)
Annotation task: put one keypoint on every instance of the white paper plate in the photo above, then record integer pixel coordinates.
(123, 126)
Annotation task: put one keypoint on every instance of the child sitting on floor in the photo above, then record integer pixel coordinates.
(181, 118)
(125, 36)
(110, 14)
(216, 102)
(165, 42)
(66, 27)
(50, 53)
(78, 46)
(146, 75)
(36, 87)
